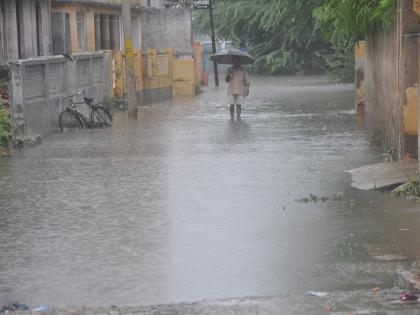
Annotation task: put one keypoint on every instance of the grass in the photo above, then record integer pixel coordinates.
(5, 128)
(409, 189)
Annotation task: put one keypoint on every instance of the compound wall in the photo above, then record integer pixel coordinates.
(40, 86)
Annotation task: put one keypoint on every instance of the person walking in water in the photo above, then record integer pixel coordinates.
(238, 79)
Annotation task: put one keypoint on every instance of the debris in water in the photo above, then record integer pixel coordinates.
(41, 309)
(376, 290)
(408, 297)
(316, 293)
(315, 198)
(328, 309)
(13, 308)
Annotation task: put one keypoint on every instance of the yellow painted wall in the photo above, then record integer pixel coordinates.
(186, 88)
(198, 52)
(184, 70)
(360, 58)
(184, 82)
(411, 111)
(118, 75)
(360, 50)
(90, 25)
(142, 82)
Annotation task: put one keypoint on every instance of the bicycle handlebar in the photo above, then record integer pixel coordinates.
(77, 93)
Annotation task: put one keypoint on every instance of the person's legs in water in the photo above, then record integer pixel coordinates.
(238, 109)
(232, 101)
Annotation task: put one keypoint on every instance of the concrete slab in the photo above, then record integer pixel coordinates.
(383, 175)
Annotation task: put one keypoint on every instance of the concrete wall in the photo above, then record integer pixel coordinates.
(168, 28)
(153, 3)
(391, 75)
(39, 88)
(382, 115)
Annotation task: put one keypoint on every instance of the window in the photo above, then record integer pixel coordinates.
(81, 30)
(114, 25)
(60, 32)
(97, 31)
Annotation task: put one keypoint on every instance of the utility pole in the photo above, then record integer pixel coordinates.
(213, 43)
(130, 75)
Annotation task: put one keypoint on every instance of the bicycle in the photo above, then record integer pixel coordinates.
(71, 118)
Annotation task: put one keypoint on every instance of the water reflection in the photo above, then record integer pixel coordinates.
(238, 131)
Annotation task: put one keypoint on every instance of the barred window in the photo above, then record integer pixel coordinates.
(81, 30)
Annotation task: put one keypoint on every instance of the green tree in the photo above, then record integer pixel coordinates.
(299, 36)
(281, 34)
(352, 20)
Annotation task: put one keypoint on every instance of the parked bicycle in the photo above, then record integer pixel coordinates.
(71, 118)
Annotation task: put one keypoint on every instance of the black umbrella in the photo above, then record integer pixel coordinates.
(225, 57)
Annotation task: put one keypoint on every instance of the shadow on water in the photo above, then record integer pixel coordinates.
(185, 204)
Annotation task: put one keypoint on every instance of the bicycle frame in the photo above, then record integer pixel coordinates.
(73, 107)
(90, 103)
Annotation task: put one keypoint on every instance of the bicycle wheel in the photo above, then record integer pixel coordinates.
(69, 119)
(100, 117)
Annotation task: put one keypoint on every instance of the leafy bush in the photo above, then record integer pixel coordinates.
(111, 103)
(5, 127)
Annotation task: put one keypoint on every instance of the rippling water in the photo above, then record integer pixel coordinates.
(186, 204)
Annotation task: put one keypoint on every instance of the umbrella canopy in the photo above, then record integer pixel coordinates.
(225, 57)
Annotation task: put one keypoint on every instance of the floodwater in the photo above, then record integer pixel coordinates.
(185, 204)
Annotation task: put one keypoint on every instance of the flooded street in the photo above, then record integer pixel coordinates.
(185, 204)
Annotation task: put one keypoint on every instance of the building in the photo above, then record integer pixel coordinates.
(54, 48)
(90, 25)
(24, 29)
(33, 28)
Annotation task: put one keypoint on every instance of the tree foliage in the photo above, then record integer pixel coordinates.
(352, 20)
(281, 34)
(290, 36)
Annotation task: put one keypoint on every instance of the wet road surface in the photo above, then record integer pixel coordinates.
(185, 204)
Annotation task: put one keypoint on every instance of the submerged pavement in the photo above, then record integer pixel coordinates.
(186, 204)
